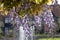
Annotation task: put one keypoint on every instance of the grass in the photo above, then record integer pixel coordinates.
(50, 39)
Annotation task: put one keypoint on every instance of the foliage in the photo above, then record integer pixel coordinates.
(24, 6)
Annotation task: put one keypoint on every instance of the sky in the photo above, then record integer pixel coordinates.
(50, 2)
(58, 1)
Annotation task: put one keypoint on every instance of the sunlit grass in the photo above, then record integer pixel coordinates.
(50, 39)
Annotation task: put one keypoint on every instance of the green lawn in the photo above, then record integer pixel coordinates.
(50, 39)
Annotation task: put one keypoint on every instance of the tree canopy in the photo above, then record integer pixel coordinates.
(24, 6)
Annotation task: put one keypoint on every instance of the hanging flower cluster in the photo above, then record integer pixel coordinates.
(46, 16)
(49, 20)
